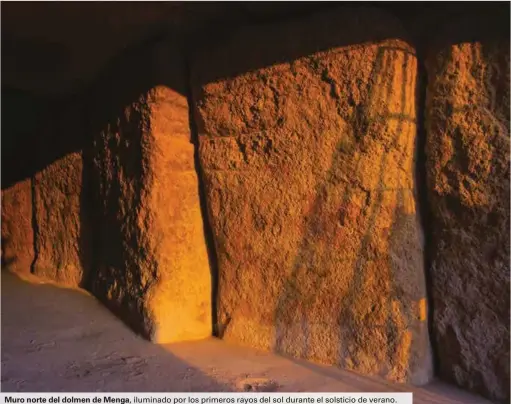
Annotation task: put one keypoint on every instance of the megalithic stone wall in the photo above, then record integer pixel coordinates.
(59, 216)
(44, 220)
(17, 230)
(61, 204)
(307, 132)
(467, 116)
(152, 261)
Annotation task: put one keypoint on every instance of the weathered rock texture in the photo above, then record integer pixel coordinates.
(153, 263)
(61, 222)
(468, 175)
(307, 133)
(58, 216)
(17, 231)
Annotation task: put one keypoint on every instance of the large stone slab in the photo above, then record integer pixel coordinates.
(468, 175)
(153, 267)
(17, 229)
(60, 217)
(61, 220)
(307, 133)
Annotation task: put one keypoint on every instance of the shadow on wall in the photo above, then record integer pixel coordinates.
(120, 169)
(261, 54)
(58, 128)
(103, 227)
(373, 288)
(370, 321)
(95, 350)
(103, 245)
(7, 260)
(257, 269)
(24, 114)
(469, 185)
(42, 141)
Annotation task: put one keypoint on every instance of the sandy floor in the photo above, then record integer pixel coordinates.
(56, 339)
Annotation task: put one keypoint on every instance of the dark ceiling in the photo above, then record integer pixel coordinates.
(58, 47)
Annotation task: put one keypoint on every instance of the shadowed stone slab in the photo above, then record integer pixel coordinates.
(57, 204)
(17, 230)
(468, 173)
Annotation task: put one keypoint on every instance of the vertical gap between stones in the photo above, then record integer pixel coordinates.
(35, 227)
(424, 208)
(208, 232)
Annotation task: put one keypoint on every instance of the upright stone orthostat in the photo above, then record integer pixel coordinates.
(467, 117)
(59, 218)
(17, 230)
(152, 260)
(307, 133)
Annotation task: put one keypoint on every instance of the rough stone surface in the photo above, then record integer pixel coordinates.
(307, 133)
(17, 231)
(97, 352)
(59, 215)
(153, 262)
(468, 176)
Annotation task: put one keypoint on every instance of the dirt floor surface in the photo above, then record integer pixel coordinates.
(62, 340)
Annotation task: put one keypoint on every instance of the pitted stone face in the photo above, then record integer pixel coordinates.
(153, 266)
(17, 230)
(467, 117)
(307, 147)
(57, 196)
